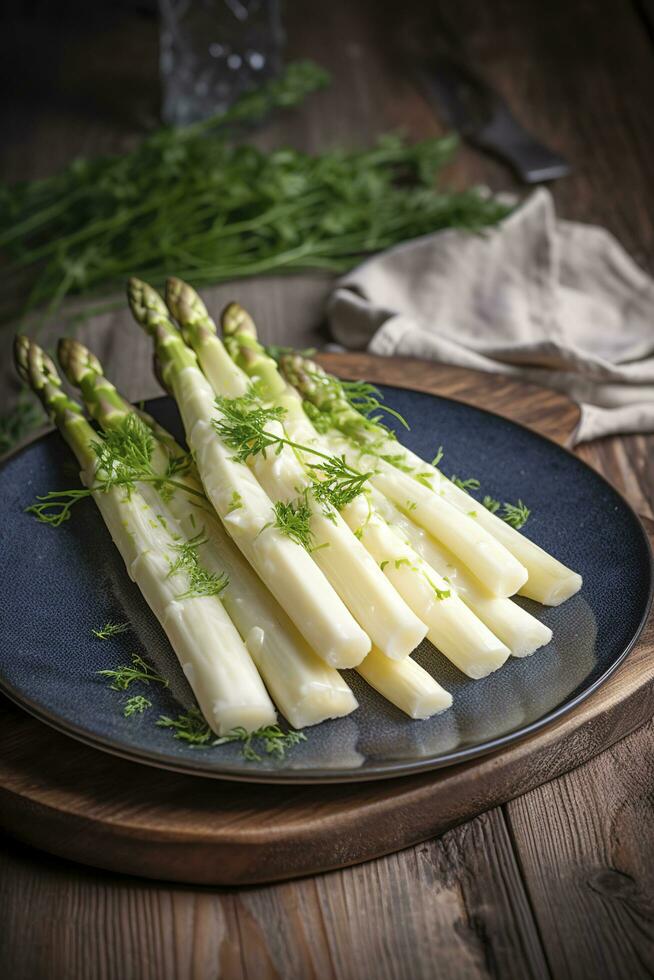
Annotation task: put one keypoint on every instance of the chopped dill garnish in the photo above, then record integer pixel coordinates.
(410, 505)
(243, 427)
(55, 506)
(192, 728)
(123, 676)
(516, 514)
(235, 501)
(491, 504)
(438, 457)
(202, 582)
(394, 459)
(136, 705)
(439, 593)
(109, 630)
(384, 564)
(338, 483)
(124, 458)
(294, 520)
(470, 484)
(472, 513)
(275, 741)
(365, 399)
(277, 351)
(189, 727)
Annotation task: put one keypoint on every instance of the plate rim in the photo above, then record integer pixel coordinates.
(375, 772)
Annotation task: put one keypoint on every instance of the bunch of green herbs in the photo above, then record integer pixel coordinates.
(195, 202)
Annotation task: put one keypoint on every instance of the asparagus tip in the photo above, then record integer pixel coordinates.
(34, 366)
(145, 303)
(234, 320)
(185, 305)
(76, 360)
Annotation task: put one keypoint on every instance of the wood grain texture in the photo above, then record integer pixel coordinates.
(385, 919)
(93, 808)
(586, 855)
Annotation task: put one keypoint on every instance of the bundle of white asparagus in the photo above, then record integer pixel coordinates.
(299, 536)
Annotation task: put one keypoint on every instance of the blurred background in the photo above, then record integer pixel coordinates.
(83, 78)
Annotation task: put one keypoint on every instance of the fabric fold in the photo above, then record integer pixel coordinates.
(551, 302)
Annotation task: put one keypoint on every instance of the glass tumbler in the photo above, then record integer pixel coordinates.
(213, 50)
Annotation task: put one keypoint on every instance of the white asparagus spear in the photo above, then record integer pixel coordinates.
(463, 638)
(405, 684)
(211, 653)
(372, 600)
(549, 581)
(369, 596)
(476, 549)
(453, 627)
(305, 689)
(521, 632)
(286, 568)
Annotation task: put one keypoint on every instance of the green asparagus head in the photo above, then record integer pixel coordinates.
(242, 343)
(235, 320)
(150, 312)
(77, 360)
(147, 306)
(309, 379)
(185, 305)
(37, 370)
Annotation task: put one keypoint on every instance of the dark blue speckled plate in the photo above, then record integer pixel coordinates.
(59, 583)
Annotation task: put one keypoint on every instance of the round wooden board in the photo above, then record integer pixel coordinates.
(79, 803)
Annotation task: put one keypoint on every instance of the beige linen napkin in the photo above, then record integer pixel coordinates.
(552, 302)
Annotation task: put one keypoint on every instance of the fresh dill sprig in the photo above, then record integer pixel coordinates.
(294, 520)
(470, 484)
(439, 593)
(275, 741)
(188, 727)
(54, 507)
(202, 582)
(438, 457)
(516, 514)
(491, 504)
(338, 483)
(277, 351)
(110, 629)
(192, 728)
(136, 705)
(138, 670)
(366, 398)
(242, 426)
(124, 455)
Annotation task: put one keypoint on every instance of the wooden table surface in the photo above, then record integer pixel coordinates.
(557, 883)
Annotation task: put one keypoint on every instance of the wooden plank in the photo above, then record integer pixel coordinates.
(394, 913)
(585, 845)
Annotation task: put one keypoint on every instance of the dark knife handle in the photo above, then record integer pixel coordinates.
(533, 162)
(476, 111)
